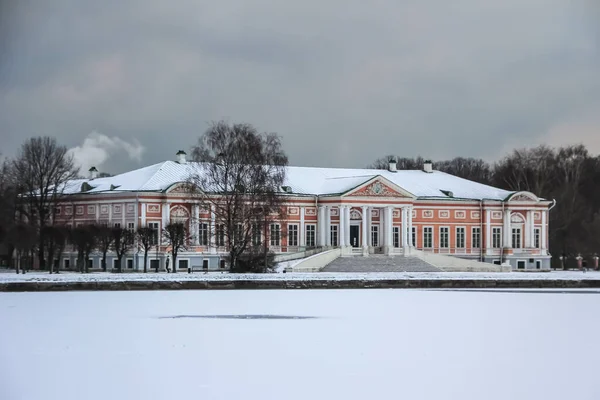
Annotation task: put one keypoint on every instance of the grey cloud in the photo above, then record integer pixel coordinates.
(343, 82)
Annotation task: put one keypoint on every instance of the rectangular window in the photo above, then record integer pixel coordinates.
(118, 225)
(293, 235)
(428, 237)
(520, 264)
(203, 234)
(444, 234)
(130, 228)
(496, 237)
(536, 238)
(275, 235)
(310, 235)
(256, 235)
(154, 226)
(414, 236)
(183, 264)
(220, 235)
(476, 238)
(374, 235)
(239, 233)
(538, 264)
(334, 235)
(396, 234)
(460, 237)
(115, 263)
(130, 264)
(205, 264)
(516, 238)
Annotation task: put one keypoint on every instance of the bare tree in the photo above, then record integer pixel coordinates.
(240, 180)
(123, 243)
(22, 238)
(84, 238)
(473, 169)
(105, 241)
(42, 170)
(147, 238)
(177, 236)
(54, 244)
(402, 163)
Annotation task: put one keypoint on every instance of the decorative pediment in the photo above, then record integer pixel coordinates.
(523, 196)
(179, 188)
(355, 214)
(379, 187)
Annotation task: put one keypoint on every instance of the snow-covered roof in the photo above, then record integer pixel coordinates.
(302, 180)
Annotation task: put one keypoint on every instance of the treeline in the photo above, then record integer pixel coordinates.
(570, 175)
(31, 185)
(245, 167)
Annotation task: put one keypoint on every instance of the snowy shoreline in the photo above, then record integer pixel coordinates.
(126, 281)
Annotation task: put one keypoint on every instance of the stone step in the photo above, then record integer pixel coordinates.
(380, 263)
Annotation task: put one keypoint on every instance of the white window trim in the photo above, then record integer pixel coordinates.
(132, 263)
(432, 237)
(297, 225)
(448, 239)
(376, 227)
(464, 228)
(396, 232)
(314, 234)
(499, 237)
(179, 259)
(473, 236)
(524, 262)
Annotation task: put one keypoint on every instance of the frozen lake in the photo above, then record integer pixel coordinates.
(349, 344)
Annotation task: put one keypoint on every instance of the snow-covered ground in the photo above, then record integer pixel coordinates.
(361, 344)
(106, 276)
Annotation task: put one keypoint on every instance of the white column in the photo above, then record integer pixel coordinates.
(387, 226)
(165, 219)
(195, 225)
(97, 212)
(123, 211)
(365, 233)
(543, 232)
(301, 234)
(404, 230)
(410, 226)
(213, 231)
(347, 226)
(532, 229)
(110, 212)
(328, 226)
(321, 226)
(342, 219)
(488, 229)
(528, 229)
(369, 226)
(506, 229)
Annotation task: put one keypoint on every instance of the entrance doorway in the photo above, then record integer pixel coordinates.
(354, 235)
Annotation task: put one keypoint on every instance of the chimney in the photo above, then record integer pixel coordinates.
(392, 165)
(181, 157)
(93, 173)
(428, 166)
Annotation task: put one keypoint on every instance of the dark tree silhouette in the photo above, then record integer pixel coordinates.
(240, 180)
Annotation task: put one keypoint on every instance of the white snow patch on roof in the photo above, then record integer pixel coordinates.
(302, 180)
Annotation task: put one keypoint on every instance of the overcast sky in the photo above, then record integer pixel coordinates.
(128, 83)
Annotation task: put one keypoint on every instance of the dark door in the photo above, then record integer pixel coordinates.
(354, 232)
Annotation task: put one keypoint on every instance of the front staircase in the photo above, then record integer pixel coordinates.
(379, 263)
